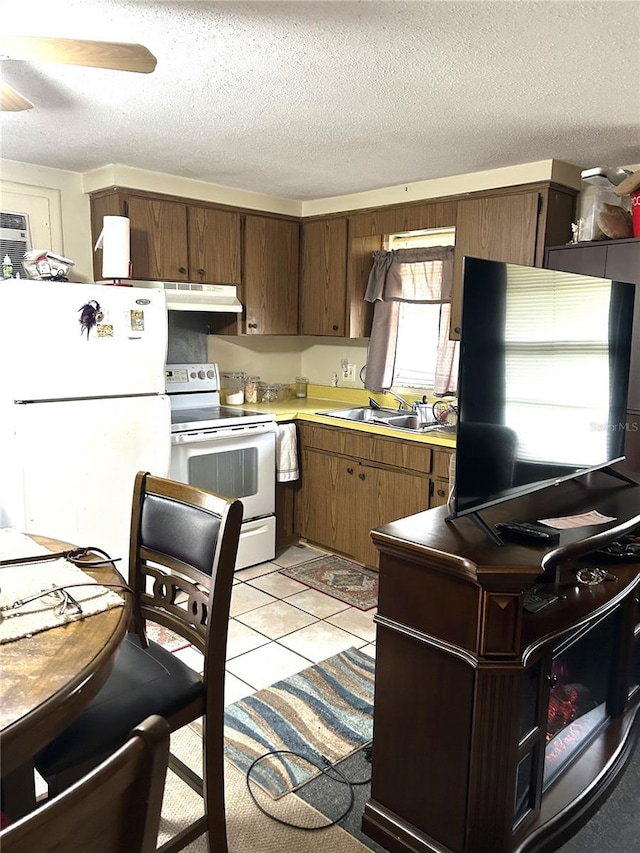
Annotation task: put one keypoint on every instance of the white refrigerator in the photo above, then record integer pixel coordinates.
(82, 407)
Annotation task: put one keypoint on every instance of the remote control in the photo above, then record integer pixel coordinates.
(528, 529)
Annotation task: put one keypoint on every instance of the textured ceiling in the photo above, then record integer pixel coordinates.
(307, 100)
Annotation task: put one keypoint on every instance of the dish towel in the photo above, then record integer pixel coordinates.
(286, 453)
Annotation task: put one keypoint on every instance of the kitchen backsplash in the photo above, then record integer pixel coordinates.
(281, 359)
(187, 337)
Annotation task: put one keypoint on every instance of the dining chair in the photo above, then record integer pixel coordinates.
(113, 809)
(182, 556)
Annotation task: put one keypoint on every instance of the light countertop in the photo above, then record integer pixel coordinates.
(322, 398)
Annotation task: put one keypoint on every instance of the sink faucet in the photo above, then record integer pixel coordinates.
(400, 400)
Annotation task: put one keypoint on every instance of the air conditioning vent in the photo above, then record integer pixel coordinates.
(14, 238)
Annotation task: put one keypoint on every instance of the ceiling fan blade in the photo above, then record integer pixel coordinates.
(12, 101)
(94, 54)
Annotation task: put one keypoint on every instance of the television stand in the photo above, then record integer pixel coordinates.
(482, 524)
(474, 682)
(619, 475)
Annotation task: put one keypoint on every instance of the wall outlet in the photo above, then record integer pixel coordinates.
(349, 372)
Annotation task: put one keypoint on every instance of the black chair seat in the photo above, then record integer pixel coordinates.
(143, 682)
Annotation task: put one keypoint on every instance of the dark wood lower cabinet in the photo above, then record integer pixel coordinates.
(498, 729)
(352, 482)
(285, 518)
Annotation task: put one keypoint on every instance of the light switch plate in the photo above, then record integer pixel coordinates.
(349, 373)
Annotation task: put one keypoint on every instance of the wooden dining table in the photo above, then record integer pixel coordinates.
(47, 678)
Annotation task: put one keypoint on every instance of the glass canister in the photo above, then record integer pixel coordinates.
(602, 213)
(252, 389)
(301, 386)
(233, 388)
(269, 393)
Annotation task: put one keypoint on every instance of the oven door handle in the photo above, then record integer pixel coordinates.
(221, 434)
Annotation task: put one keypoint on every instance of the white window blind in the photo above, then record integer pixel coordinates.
(538, 346)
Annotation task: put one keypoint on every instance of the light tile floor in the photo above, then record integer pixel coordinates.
(279, 626)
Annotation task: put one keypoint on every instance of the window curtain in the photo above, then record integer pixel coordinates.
(409, 275)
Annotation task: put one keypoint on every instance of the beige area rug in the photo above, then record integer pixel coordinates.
(248, 830)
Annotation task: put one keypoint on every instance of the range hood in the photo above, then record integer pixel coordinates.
(189, 296)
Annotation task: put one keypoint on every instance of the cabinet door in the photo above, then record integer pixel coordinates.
(323, 281)
(158, 239)
(271, 276)
(342, 500)
(359, 312)
(623, 261)
(215, 254)
(499, 228)
(316, 507)
(440, 484)
(110, 204)
(585, 260)
(381, 495)
(353, 511)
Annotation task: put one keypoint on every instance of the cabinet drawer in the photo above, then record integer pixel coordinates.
(441, 462)
(344, 442)
(401, 454)
(386, 451)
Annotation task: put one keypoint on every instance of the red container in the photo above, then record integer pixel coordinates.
(635, 212)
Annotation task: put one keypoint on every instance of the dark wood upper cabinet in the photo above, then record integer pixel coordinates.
(499, 228)
(215, 249)
(102, 205)
(159, 247)
(590, 260)
(176, 239)
(623, 261)
(513, 227)
(323, 281)
(158, 235)
(271, 249)
(173, 240)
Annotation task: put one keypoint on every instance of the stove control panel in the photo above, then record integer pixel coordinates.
(181, 378)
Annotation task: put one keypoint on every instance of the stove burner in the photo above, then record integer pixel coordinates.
(194, 393)
(205, 417)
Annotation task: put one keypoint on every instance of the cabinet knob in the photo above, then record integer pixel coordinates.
(335, 327)
(182, 270)
(349, 470)
(361, 476)
(457, 330)
(201, 273)
(441, 493)
(252, 325)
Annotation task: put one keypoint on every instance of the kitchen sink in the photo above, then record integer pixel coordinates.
(364, 414)
(404, 422)
(390, 418)
(382, 417)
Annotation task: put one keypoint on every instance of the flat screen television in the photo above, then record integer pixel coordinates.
(543, 378)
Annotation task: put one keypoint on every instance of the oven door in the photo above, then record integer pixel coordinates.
(233, 463)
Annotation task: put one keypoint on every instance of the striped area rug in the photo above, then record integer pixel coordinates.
(325, 711)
